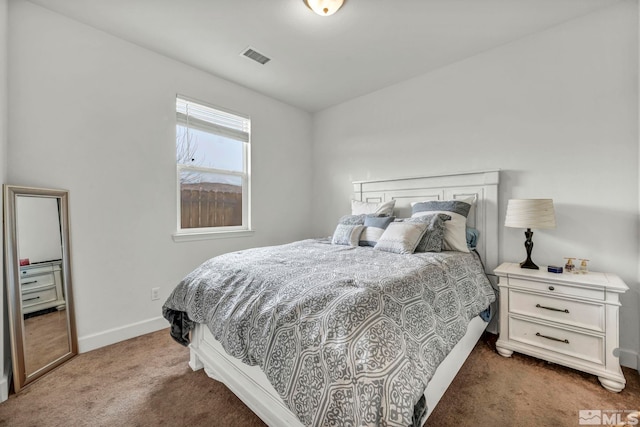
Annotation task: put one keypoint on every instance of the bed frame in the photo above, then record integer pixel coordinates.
(251, 385)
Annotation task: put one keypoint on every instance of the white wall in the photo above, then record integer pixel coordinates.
(96, 115)
(557, 112)
(4, 326)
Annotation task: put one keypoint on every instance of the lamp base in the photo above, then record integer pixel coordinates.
(528, 244)
(529, 264)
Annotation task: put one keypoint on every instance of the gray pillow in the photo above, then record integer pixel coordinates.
(472, 237)
(433, 238)
(352, 219)
(454, 233)
(373, 229)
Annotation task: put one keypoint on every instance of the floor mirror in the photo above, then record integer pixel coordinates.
(38, 281)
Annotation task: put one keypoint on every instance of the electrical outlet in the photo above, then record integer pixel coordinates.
(155, 294)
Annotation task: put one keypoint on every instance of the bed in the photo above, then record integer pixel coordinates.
(319, 357)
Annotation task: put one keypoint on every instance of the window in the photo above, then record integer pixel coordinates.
(212, 156)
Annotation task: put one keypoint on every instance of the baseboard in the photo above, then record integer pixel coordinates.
(112, 336)
(630, 359)
(5, 381)
(4, 387)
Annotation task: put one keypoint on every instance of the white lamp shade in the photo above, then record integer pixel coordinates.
(530, 213)
(324, 7)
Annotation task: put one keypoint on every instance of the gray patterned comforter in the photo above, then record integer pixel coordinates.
(347, 335)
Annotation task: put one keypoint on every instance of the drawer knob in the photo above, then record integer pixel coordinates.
(551, 288)
(538, 334)
(553, 309)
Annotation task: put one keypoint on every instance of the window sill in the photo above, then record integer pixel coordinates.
(208, 235)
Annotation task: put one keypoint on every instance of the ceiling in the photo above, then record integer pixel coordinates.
(317, 62)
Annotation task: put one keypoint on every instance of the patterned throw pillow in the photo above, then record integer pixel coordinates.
(380, 209)
(352, 219)
(347, 235)
(373, 229)
(433, 238)
(455, 238)
(401, 237)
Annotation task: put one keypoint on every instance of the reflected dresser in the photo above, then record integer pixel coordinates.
(41, 287)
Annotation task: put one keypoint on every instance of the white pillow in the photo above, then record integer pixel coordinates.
(381, 208)
(455, 233)
(401, 237)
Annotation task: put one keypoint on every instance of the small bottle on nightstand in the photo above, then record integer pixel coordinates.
(583, 266)
(569, 266)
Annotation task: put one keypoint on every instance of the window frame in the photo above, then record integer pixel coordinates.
(200, 233)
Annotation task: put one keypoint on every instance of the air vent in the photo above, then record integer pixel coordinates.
(256, 56)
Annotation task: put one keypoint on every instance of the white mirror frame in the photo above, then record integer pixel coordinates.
(14, 297)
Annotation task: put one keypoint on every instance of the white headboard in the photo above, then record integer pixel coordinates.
(482, 186)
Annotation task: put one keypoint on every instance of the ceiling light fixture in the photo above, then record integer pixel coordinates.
(324, 7)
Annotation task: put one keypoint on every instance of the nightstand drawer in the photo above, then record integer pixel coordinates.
(569, 312)
(34, 270)
(570, 343)
(37, 281)
(39, 297)
(555, 289)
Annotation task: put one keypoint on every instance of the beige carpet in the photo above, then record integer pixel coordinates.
(146, 382)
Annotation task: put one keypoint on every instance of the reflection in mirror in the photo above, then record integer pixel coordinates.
(38, 281)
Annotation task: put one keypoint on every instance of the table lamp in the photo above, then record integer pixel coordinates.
(530, 213)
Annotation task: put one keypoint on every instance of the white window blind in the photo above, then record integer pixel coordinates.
(208, 119)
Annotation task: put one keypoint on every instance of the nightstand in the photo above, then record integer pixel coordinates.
(567, 318)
